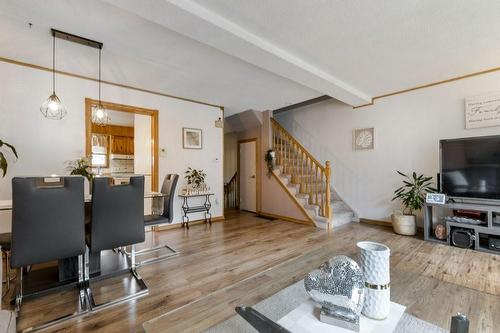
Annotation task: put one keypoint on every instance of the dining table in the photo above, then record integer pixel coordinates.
(64, 274)
(7, 204)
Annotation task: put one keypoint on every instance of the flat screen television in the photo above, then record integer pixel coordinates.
(470, 167)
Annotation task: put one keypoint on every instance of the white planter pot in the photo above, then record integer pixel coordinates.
(375, 264)
(404, 224)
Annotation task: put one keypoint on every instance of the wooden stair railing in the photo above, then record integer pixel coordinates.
(231, 193)
(304, 169)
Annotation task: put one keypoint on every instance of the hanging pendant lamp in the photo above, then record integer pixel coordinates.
(52, 108)
(99, 114)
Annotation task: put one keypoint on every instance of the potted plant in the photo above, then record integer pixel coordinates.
(81, 167)
(412, 195)
(195, 178)
(3, 160)
(270, 159)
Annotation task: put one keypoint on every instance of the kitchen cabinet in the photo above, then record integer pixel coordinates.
(122, 145)
(113, 130)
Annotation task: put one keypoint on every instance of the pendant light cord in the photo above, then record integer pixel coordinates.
(100, 76)
(53, 63)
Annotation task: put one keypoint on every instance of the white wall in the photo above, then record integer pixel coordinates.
(142, 144)
(408, 128)
(45, 145)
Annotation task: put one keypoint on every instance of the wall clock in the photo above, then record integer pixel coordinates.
(364, 138)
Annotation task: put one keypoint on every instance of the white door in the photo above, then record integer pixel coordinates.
(248, 176)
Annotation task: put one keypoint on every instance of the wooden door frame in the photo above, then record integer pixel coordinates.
(257, 172)
(131, 109)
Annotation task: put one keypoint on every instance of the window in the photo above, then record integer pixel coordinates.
(99, 150)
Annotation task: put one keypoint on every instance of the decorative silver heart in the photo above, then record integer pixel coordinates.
(338, 286)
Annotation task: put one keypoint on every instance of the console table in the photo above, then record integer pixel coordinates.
(435, 213)
(196, 209)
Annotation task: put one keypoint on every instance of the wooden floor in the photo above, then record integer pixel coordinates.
(246, 259)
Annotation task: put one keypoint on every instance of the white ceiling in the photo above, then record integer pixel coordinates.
(262, 54)
(139, 53)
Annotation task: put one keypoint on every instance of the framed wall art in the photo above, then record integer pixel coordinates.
(192, 138)
(363, 138)
(482, 111)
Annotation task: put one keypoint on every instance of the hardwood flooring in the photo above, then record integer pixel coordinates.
(246, 259)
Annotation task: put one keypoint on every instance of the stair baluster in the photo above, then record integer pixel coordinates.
(302, 172)
(312, 177)
(231, 199)
(328, 210)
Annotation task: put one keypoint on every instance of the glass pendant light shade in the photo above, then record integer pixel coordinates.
(53, 109)
(100, 115)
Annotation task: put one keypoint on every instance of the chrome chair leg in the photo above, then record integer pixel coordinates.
(136, 275)
(149, 250)
(19, 291)
(8, 273)
(173, 252)
(132, 256)
(143, 289)
(84, 304)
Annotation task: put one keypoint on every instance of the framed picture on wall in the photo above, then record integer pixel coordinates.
(482, 110)
(363, 138)
(192, 138)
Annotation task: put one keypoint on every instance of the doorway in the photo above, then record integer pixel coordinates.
(247, 174)
(127, 145)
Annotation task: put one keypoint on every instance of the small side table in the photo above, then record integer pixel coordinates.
(196, 209)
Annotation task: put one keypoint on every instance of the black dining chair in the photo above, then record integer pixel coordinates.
(47, 225)
(166, 217)
(117, 220)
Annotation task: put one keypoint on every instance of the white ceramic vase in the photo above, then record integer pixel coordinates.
(374, 262)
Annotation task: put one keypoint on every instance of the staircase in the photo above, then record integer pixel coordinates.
(232, 193)
(342, 213)
(308, 181)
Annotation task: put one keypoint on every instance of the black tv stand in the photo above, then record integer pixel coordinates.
(434, 214)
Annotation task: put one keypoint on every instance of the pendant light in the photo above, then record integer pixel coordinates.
(52, 108)
(99, 114)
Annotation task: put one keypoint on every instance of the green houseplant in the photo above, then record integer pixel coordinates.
(81, 167)
(195, 178)
(3, 160)
(412, 196)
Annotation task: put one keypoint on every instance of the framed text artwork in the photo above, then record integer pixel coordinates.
(482, 111)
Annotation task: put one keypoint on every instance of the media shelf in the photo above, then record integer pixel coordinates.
(434, 214)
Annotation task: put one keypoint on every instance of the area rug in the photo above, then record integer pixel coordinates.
(281, 303)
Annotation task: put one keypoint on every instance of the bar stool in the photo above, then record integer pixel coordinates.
(48, 225)
(117, 221)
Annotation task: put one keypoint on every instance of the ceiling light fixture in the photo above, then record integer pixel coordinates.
(99, 114)
(52, 108)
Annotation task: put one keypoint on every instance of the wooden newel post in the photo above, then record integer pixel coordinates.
(328, 173)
